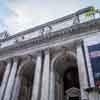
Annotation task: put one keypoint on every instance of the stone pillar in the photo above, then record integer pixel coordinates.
(11, 80)
(37, 76)
(52, 84)
(17, 87)
(90, 71)
(45, 77)
(82, 73)
(5, 79)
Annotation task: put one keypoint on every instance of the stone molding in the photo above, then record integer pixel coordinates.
(49, 25)
(41, 43)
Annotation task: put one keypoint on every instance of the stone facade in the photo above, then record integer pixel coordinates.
(51, 66)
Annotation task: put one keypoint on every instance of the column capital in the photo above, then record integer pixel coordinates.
(26, 57)
(39, 53)
(29, 57)
(78, 43)
(46, 51)
(16, 58)
(8, 60)
(2, 62)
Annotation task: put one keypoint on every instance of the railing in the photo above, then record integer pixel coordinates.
(47, 28)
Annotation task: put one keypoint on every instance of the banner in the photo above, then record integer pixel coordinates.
(94, 55)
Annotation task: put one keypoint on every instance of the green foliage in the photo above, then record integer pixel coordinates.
(91, 11)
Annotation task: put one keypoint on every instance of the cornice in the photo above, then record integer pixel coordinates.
(50, 24)
(62, 37)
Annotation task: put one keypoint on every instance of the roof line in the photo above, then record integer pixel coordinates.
(53, 22)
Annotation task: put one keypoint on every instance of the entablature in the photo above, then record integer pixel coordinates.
(49, 28)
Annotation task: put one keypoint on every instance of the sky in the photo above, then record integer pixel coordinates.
(19, 15)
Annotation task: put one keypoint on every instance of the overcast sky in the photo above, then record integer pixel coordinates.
(18, 15)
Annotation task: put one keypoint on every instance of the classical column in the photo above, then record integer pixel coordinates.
(45, 77)
(52, 84)
(90, 71)
(37, 76)
(11, 80)
(5, 79)
(17, 87)
(82, 73)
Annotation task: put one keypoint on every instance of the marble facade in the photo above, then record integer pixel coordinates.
(38, 68)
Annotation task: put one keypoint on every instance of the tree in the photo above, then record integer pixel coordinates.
(91, 11)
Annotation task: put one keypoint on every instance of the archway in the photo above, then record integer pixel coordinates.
(26, 74)
(66, 76)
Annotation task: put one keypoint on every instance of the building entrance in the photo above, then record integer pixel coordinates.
(71, 84)
(67, 85)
